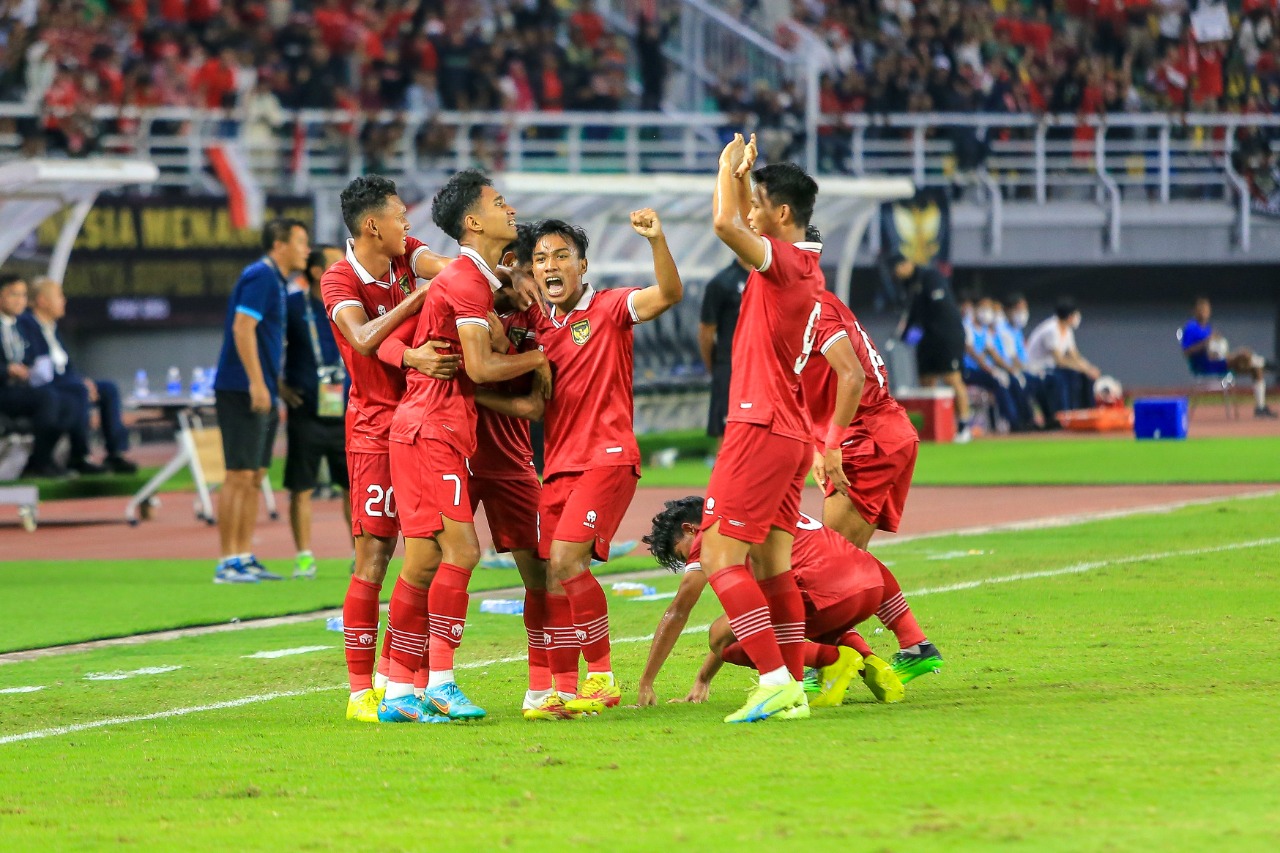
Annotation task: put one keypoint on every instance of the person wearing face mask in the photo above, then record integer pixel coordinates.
(1012, 345)
(1052, 350)
(980, 368)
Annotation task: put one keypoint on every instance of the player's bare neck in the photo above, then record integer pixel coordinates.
(375, 262)
(489, 250)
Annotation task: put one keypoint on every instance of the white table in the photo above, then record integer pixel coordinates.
(185, 413)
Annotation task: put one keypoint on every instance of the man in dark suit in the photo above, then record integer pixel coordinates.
(50, 416)
(40, 328)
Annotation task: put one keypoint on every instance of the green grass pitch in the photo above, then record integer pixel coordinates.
(1107, 687)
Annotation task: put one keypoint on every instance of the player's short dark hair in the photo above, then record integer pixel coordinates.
(8, 279)
(362, 196)
(787, 183)
(1065, 308)
(279, 231)
(666, 530)
(522, 245)
(812, 234)
(456, 199)
(571, 233)
(316, 259)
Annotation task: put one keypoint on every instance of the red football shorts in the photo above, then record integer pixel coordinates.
(373, 500)
(878, 479)
(431, 479)
(585, 506)
(511, 507)
(756, 482)
(829, 624)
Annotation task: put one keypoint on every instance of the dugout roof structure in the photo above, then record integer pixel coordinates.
(33, 190)
(602, 204)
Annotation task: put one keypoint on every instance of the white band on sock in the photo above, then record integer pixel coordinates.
(438, 679)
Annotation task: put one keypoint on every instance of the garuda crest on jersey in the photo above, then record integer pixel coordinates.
(581, 331)
(406, 284)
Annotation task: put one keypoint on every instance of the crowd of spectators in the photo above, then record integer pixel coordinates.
(264, 57)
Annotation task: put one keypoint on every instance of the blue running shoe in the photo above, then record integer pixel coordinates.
(450, 701)
(230, 571)
(260, 571)
(407, 709)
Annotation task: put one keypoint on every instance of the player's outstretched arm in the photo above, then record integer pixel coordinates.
(657, 298)
(427, 264)
(850, 379)
(484, 365)
(398, 351)
(668, 632)
(732, 201)
(365, 335)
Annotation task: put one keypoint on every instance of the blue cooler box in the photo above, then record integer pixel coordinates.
(1160, 417)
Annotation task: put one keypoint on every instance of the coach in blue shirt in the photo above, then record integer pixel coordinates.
(1207, 355)
(246, 390)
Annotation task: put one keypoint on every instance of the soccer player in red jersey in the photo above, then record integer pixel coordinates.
(592, 460)
(842, 586)
(433, 435)
(367, 295)
(864, 463)
(753, 498)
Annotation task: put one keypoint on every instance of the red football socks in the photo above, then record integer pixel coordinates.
(786, 612)
(854, 640)
(590, 619)
(535, 617)
(447, 606)
(748, 614)
(820, 654)
(736, 655)
(409, 613)
(896, 615)
(562, 644)
(360, 632)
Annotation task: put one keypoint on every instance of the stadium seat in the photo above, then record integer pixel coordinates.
(1209, 383)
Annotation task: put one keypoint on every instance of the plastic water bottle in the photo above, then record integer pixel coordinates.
(333, 623)
(198, 389)
(509, 606)
(141, 388)
(173, 382)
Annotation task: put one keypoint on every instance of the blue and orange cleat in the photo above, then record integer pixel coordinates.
(407, 709)
(448, 700)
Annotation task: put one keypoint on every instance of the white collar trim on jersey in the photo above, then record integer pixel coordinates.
(584, 301)
(494, 283)
(364, 273)
(806, 246)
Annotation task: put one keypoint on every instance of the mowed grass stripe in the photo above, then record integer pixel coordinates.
(1074, 569)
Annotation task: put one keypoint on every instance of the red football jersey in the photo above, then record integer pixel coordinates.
(375, 388)
(878, 413)
(504, 450)
(780, 309)
(462, 294)
(828, 568)
(589, 418)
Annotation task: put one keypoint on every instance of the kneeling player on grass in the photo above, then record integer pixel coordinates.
(433, 434)
(842, 586)
(592, 459)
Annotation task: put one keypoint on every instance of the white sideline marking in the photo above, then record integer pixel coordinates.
(284, 653)
(31, 689)
(1081, 568)
(1078, 568)
(121, 675)
(955, 555)
(657, 596)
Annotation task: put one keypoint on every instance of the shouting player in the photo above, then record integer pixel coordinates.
(592, 459)
(367, 295)
(753, 499)
(842, 586)
(433, 434)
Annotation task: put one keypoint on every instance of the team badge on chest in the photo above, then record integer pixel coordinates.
(581, 331)
(406, 286)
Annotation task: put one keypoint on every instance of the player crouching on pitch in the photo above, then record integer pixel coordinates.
(842, 586)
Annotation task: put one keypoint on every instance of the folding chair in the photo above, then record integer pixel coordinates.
(1209, 383)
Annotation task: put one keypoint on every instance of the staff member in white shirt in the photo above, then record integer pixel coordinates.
(1052, 353)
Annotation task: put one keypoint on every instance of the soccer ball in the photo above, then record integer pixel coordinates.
(1217, 349)
(1107, 391)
